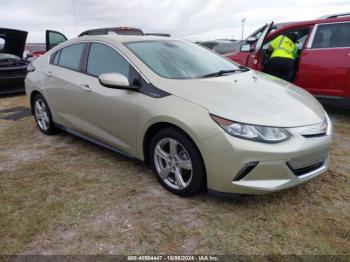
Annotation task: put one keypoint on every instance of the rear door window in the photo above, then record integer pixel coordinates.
(104, 59)
(332, 36)
(70, 56)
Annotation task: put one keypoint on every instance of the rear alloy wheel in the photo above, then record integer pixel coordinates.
(177, 163)
(43, 116)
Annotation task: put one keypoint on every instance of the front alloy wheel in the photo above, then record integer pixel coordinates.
(177, 162)
(173, 163)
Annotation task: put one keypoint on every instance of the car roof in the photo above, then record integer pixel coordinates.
(112, 39)
(313, 22)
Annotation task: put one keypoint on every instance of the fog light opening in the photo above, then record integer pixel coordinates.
(245, 170)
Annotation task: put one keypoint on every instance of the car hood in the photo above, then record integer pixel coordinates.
(250, 97)
(15, 41)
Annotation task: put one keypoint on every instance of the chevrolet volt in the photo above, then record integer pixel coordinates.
(200, 120)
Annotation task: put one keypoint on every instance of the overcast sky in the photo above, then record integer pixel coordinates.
(191, 19)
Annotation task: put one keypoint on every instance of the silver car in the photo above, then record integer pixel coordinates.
(201, 121)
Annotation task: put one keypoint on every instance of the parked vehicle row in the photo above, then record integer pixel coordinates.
(323, 65)
(201, 121)
(14, 58)
(229, 47)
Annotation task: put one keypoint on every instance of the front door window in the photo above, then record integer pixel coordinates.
(104, 59)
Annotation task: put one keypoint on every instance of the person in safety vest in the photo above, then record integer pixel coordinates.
(282, 60)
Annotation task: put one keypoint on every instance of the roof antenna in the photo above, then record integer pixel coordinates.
(75, 17)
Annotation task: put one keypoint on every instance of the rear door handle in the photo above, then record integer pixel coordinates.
(49, 73)
(85, 88)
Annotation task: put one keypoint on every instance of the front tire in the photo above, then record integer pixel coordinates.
(42, 115)
(177, 163)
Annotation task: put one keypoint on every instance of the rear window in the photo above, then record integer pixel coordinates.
(70, 56)
(116, 30)
(120, 31)
(332, 35)
(97, 32)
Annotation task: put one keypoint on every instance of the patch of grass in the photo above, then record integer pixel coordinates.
(37, 196)
(324, 247)
(61, 195)
(15, 133)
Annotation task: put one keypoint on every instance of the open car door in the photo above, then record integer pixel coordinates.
(256, 57)
(54, 38)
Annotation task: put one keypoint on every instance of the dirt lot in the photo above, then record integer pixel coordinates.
(62, 195)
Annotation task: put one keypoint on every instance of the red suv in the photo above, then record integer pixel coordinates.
(323, 64)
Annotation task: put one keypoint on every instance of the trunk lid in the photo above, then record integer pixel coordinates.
(15, 41)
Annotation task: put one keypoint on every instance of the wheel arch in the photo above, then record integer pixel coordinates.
(156, 127)
(32, 95)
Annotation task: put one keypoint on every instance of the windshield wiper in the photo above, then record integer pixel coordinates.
(224, 72)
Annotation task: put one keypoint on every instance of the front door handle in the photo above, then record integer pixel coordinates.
(49, 73)
(85, 88)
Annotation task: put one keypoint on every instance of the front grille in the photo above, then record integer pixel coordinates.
(313, 131)
(315, 135)
(306, 170)
(303, 165)
(11, 88)
(13, 73)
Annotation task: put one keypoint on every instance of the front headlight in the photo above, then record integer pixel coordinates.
(263, 134)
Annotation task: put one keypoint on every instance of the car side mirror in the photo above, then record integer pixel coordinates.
(115, 80)
(251, 40)
(246, 48)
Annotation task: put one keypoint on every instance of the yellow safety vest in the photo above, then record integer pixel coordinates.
(283, 47)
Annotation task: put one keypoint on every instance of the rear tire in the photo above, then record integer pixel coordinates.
(176, 162)
(42, 115)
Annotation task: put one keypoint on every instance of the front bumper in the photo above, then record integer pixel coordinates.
(12, 79)
(275, 166)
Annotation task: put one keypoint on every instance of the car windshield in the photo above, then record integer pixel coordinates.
(177, 59)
